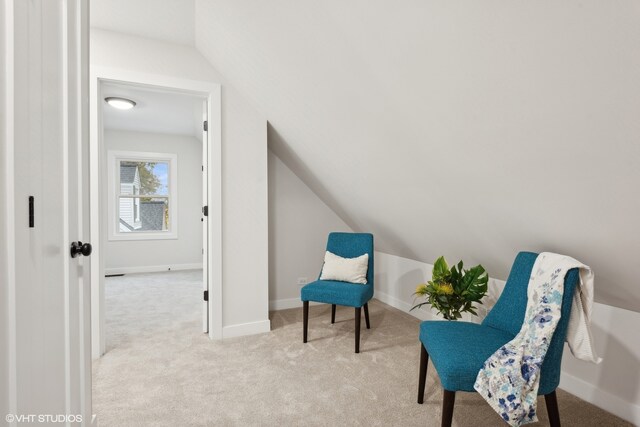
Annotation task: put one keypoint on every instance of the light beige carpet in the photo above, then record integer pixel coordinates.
(160, 370)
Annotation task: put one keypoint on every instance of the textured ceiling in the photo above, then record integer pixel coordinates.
(469, 129)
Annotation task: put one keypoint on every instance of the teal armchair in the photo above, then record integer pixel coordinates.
(459, 349)
(346, 245)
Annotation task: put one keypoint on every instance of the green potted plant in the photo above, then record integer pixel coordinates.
(453, 291)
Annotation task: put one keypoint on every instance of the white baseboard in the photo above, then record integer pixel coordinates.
(284, 304)
(603, 399)
(394, 302)
(243, 329)
(153, 268)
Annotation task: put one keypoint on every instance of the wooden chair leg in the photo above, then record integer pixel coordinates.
(305, 320)
(449, 399)
(366, 315)
(358, 315)
(333, 314)
(552, 409)
(422, 377)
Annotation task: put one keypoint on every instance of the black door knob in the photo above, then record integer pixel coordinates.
(78, 248)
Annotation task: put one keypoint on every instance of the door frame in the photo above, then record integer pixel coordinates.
(213, 94)
(205, 218)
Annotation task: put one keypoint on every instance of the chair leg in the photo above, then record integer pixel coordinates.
(449, 399)
(552, 409)
(333, 314)
(358, 315)
(422, 378)
(305, 320)
(366, 315)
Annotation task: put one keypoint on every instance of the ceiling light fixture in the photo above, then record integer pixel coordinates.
(120, 103)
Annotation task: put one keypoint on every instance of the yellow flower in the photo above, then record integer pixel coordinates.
(421, 289)
(444, 289)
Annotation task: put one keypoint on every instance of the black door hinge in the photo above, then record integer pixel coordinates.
(206, 295)
(206, 126)
(31, 213)
(205, 210)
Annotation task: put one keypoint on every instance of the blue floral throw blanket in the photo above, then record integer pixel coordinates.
(509, 379)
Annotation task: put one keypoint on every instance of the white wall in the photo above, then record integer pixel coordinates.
(396, 279)
(299, 223)
(463, 130)
(123, 256)
(170, 21)
(613, 385)
(244, 171)
(472, 129)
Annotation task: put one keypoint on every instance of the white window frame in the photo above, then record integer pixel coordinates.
(113, 177)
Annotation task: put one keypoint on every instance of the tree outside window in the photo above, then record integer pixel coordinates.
(143, 194)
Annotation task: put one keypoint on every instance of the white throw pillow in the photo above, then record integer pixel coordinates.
(352, 270)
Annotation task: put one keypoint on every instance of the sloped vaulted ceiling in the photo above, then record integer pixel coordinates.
(473, 129)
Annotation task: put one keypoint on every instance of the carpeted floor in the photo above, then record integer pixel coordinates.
(160, 370)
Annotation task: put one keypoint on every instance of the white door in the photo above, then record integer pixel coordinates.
(205, 221)
(47, 173)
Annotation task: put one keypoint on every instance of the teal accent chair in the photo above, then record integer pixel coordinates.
(458, 349)
(346, 245)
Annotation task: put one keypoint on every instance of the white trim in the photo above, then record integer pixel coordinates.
(97, 175)
(600, 398)
(243, 329)
(420, 313)
(153, 268)
(82, 99)
(285, 304)
(212, 92)
(204, 238)
(113, 177)
(214, 200)
(288, 303)
(9, 193)
(67, 196)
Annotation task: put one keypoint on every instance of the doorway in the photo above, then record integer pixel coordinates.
(155, 201)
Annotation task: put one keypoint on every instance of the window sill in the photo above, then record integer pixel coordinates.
(143, 236)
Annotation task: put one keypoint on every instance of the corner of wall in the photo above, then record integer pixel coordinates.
(299, 222)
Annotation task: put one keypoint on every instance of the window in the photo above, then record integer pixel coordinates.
(142, 196)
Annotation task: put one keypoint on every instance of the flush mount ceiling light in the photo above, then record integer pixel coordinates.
(120, 103)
